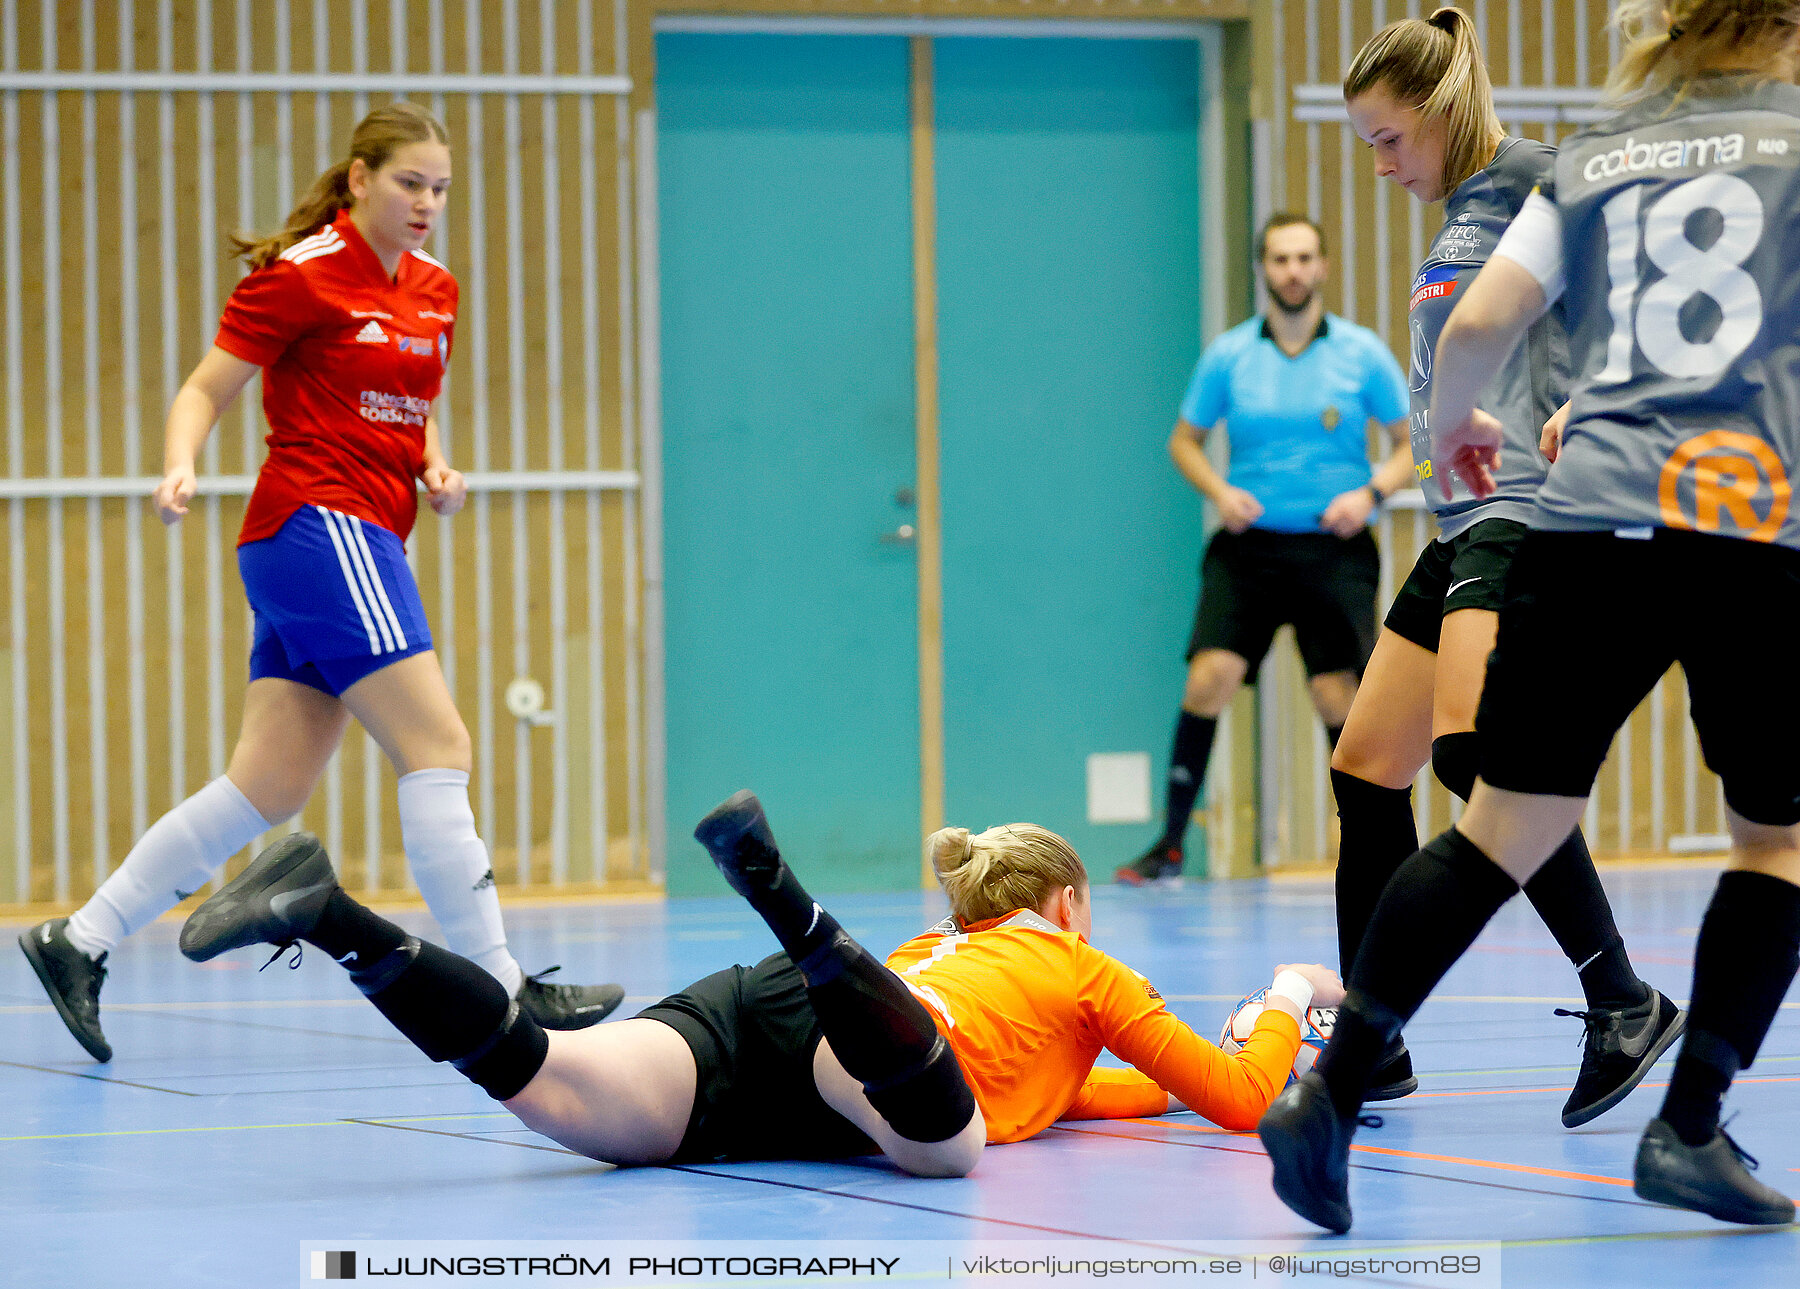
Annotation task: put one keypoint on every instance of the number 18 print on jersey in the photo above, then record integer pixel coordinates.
(1684, 316)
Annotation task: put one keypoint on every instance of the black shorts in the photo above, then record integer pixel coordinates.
(1255, 582)
(1466, 572)
(753, 1035)
(1591, 622)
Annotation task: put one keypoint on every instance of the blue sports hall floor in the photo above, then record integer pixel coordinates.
(246, 1114)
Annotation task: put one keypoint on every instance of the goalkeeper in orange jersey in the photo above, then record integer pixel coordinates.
(983, 1029)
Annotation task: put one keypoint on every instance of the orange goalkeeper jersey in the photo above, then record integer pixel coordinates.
(1027, 1007)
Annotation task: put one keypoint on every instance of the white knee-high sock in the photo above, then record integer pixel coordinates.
(451, 867)
(176, 856)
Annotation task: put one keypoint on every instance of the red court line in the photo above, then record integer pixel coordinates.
(1493, 1163)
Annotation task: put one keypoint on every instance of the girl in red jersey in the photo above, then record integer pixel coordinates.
(983, 1029)
(351, 323)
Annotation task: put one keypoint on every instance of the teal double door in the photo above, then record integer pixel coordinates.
(1067, 176)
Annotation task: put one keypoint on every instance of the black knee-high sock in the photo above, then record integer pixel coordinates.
(1744, 961)
(351, 934)
(886, 1040)
(1187, 774)
(1378, 835)
(451, 1009)
(1429, 915)
(1567, 894)
(882, 1035)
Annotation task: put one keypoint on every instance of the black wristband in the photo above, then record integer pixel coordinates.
(1375, 492)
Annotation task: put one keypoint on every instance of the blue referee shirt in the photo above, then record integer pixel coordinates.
(1298, 426)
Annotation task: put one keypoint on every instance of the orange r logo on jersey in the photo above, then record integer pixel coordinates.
(1725, 476)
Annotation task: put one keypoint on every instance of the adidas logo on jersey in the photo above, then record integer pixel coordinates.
(372, 334)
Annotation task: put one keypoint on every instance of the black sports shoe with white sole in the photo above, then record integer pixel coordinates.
(72, 979)
(567, 1006)
(276, 900)
(1309, 1145)
(1708, 1179)
(1618, 1049)
(1160, 864)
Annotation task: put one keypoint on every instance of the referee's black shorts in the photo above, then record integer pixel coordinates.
(1466, 572)
(753, 1033)
(1591, 621)
(1255, 582)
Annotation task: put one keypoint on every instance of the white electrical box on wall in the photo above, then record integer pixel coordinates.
(1118, 788)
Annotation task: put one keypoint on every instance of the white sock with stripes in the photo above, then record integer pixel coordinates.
(450, 865)
(175, 857)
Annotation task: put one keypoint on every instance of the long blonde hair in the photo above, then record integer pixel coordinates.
(1013, 866)
(376, 138)
(1435, 65)
(1657, 54)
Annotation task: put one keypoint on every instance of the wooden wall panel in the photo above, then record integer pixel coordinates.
(154, 199)
(148, 213)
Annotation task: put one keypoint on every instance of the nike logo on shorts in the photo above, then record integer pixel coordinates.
(1455, 587)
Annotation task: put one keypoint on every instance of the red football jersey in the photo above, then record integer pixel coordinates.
(352, 362)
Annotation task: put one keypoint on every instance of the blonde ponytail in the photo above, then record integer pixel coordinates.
(1658, 54)
(1435, 65)
(1013, 866)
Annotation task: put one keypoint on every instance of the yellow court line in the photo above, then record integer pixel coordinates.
(251, 1127)
(1436, 1159)
(1619, 1237)
(269, 1004)
(1500, 1092)
(1309, 874)
(157, 1132)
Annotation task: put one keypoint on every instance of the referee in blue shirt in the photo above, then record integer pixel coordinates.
(1296, 388)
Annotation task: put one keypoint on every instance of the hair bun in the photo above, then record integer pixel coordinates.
(949, 849)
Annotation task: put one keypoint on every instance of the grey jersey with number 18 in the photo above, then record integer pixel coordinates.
(1679, 220)
(1535, 380)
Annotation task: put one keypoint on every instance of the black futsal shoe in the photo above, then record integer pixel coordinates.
(1618, 1049)
(1160, 864)
(1709, 1179)
(1309, 1145)
(276, 900)
(72, 979)
(1394, 1077)
(567, 1006)
(737, 836)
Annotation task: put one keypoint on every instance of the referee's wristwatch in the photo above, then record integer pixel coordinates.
(1376, 492)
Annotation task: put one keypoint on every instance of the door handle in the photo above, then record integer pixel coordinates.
(905, 535)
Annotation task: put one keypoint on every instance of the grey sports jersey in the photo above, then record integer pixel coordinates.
(1535, 380)
(1684, 316)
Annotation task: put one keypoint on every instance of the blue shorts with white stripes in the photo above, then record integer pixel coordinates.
(334, 601)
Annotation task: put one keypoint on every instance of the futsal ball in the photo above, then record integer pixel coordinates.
(1314, 1030)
